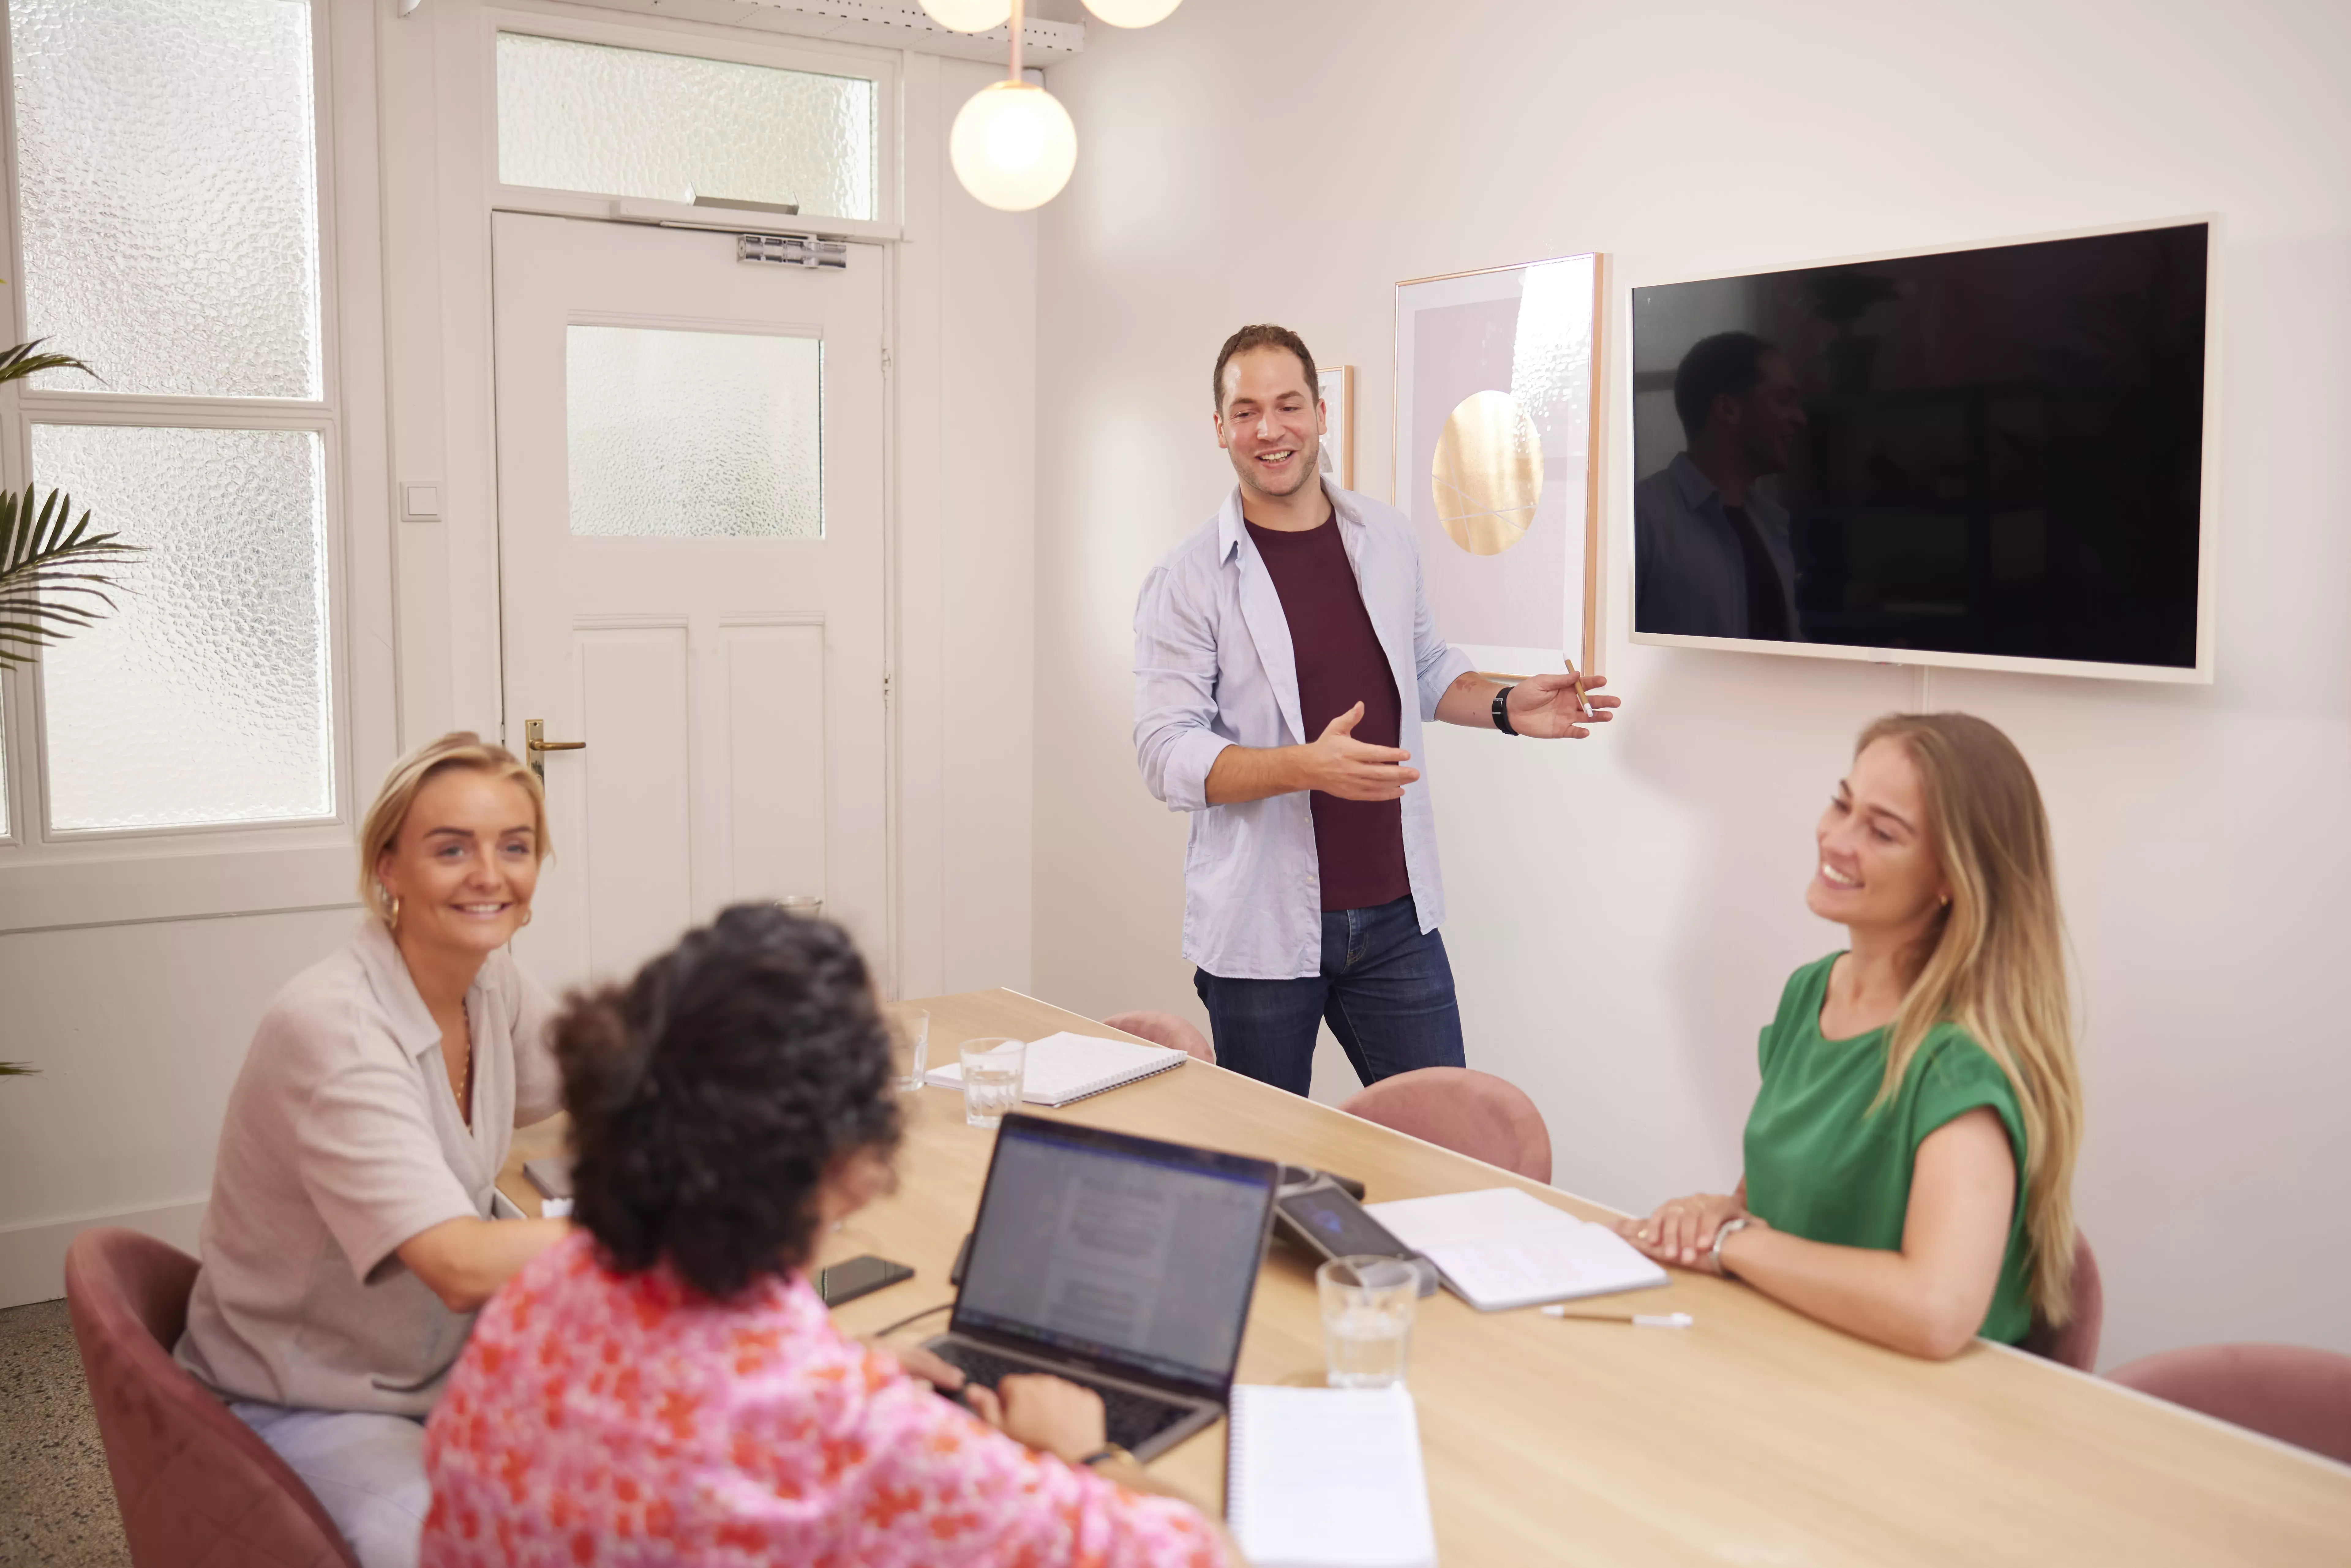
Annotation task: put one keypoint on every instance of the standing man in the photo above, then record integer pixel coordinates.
(1712, 556)
(1274, 650)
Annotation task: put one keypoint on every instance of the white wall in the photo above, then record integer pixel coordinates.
(1624, 911)
(966, 571)
(139, 1031)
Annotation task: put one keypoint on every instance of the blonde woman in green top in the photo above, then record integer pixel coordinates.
(1910, 1156)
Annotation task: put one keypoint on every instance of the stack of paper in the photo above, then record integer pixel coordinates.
(1065, 1067)
(1327, 1478)
(1504, 1246)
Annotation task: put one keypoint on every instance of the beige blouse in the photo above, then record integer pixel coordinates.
(343, 1141)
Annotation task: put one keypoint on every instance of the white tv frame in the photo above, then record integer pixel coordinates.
(2200, 674)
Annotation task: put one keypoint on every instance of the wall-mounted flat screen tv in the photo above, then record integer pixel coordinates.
(1991, 458)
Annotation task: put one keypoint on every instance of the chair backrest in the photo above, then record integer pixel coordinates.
(2075, 1344)
(195, 1485)
(1168, 1030)
(1471, 1112)
(2288, 1392)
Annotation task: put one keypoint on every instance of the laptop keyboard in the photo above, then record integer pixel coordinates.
(1131, 1419)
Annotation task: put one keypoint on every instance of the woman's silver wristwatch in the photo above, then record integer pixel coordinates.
(1722, 1233)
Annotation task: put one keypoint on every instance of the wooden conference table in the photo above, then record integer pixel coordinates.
(1757, 1436)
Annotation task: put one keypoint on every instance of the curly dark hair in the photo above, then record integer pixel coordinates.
(710, 1094)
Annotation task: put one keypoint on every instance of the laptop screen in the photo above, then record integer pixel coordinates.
(1123, 1253)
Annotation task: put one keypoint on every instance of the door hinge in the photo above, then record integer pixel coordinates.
(791, 250)
(887, 677)
(885, 359)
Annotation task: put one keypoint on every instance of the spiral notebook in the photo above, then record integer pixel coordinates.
(1065, 1067)
(1327, 1478)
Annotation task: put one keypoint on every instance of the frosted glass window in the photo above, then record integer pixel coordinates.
(167, 173)
(203, 698)
(693, 434)
(4, 770)
(632, 123)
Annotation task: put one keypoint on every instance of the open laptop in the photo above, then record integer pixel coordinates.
(1122, 1263)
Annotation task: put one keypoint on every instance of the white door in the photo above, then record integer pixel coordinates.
(690, 526)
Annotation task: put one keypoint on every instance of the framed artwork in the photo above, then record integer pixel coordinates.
(1335, 385)
(1498, 457)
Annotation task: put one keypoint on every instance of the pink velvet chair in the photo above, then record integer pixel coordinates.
(2075, 1344)
(1471, 1112)
(2284, 1391)
(197, 1488)
(1168, 1030)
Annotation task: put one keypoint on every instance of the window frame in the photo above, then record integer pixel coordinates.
(882, 69)
(51, 878)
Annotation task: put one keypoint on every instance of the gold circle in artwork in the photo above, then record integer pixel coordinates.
(1489, 474)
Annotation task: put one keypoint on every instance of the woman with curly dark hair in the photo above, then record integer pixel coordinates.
(666, 1385)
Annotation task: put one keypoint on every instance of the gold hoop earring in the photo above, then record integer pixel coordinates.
(526, 913)
(393, 919)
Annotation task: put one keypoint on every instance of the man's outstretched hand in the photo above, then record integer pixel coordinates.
(1338, 764)
(1544, 706)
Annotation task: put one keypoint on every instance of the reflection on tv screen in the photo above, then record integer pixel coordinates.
(1995, 451)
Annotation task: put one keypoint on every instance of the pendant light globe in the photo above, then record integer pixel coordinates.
(1013, 146)
(970, 16)
(1130, 13)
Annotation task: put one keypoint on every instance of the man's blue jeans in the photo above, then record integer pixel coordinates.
(1385, 989)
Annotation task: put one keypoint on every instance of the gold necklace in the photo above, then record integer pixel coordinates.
(466, 1089)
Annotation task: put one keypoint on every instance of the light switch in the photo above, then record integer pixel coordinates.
(420, 501)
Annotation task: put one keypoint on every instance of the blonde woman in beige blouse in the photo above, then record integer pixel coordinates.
(350, 1237)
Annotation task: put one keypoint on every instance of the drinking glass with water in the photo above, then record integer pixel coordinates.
(992, 1070)
(910, 1045)
(1367, 1308)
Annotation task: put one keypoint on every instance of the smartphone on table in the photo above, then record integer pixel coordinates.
(858, 1277)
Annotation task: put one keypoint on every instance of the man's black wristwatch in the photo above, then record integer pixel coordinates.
(1502, 710)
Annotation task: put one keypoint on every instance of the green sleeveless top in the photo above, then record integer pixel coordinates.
(1822, 1166)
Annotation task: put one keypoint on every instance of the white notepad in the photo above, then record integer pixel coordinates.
(1327, 1478)
(1065, 1067)
(1504, 1246)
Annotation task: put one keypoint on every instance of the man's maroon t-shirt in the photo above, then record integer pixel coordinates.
(1360, 843)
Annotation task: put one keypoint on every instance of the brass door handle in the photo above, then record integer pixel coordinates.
(534, 742)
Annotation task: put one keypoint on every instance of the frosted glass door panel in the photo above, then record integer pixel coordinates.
(167, 173)
(633, 122)
(692, 434)
(203, 698)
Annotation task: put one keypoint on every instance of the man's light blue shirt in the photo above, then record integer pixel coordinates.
(1214, 667)
(1690, 575)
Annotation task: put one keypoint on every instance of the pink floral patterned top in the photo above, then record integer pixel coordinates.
(602, 1418)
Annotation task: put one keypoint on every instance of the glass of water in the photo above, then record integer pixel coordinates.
(991, 1078)
(1367, 1307)
(910, 1045)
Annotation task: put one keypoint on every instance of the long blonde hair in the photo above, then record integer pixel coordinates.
(458, 748)
(1996, 966)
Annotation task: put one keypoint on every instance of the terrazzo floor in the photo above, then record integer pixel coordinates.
(56, 1505)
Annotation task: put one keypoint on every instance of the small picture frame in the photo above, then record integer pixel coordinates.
(1335, 385)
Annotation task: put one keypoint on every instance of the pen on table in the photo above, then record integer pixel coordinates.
(1638, 1319)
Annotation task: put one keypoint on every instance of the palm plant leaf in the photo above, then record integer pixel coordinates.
(46, 587)
(20, 361)
(18, 1070)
